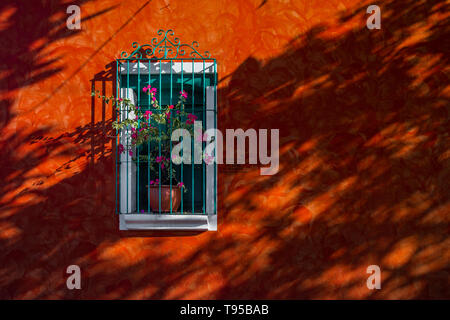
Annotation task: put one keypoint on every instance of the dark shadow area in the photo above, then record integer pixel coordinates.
(363, 179)
(28, 28)
(364, 162)
(31, 194)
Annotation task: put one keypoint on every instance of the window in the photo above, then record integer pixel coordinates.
(136, 172)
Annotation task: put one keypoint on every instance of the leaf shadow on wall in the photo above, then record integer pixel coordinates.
(364, 163)
(27, 30)
(364, 179)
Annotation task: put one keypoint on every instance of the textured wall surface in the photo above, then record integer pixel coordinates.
(364, 151)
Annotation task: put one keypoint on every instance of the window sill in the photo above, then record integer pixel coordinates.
(167, 222)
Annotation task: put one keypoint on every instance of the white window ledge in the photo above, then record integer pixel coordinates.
(142, 221)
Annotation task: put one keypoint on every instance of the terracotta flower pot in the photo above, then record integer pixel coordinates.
(165, 198)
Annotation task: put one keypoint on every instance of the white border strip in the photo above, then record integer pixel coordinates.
(165, 67)
(145, 221)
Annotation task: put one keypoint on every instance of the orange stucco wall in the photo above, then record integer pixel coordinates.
(364, 151)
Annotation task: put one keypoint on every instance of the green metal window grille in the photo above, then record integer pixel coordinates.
(171, 67)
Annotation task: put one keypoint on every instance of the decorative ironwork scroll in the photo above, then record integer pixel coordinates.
(168, 47)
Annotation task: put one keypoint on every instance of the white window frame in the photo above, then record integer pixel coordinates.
(134, 220)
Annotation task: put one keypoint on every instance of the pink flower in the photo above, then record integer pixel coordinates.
(149, 89)
(120, 99)
(171, 106)
(160, 159)
(180, 184)
(120, 148)
(130, 153)
(183, 94)
(178, 111)
(147, 114)
(191, 118)
(155, 182)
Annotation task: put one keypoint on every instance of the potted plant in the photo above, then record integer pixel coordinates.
(154, 126)
(157, 186)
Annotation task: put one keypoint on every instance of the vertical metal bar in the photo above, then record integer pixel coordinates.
(136, 111)
(117, 135)
(159, 142)
(170, 148)
(127, 132)
(210, 167)
(193, 140)
(148, 145)
(182, 151)
(215, 140)
(204, 125)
